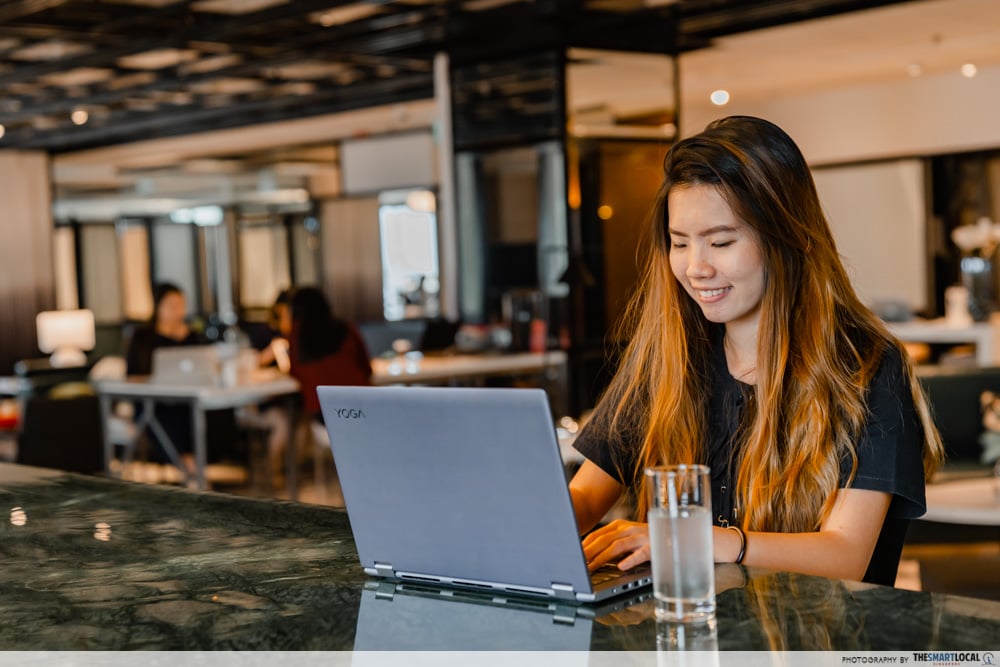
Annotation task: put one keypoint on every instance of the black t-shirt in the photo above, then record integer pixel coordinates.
(889, 450)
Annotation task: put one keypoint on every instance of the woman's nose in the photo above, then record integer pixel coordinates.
(699, 266)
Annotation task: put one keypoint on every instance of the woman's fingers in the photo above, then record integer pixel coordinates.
(638, 557)
(617, 539)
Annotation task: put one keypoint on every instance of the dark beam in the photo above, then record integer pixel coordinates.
(122, 128)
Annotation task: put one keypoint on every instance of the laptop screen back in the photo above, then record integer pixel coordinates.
(193, 365)
(459, 483)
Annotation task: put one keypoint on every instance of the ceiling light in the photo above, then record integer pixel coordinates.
(969, 70)
(157, 59)
(53, 49)
(235, 7)
(346, 14)
(79, 117)
(81, 76)
(719, 97)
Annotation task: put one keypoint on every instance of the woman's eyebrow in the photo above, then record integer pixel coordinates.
(707, 232)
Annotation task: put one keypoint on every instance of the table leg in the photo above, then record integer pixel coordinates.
(200, 454)
(109, 447)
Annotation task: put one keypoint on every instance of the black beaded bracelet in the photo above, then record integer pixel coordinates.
(743, 543)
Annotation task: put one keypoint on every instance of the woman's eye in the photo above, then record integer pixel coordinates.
(677, 244)
(722, 244)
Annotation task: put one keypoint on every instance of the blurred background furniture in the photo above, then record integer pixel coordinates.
(202, 399)
(64, 433)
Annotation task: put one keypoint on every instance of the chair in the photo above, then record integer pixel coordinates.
(62, 433)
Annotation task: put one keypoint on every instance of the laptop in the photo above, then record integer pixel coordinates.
(189, 365)
(462, 487)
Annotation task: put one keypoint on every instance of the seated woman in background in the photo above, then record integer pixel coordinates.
(752, 353)
(323, 349)
(276, 351)
(167, 328)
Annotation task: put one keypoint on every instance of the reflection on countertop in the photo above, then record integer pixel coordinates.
(91, 563)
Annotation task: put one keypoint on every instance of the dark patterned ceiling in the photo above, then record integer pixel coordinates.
(83, 73)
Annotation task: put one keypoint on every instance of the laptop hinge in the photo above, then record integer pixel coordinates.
(385, 591)
(384, 570)
(563, 591)
(565, 614)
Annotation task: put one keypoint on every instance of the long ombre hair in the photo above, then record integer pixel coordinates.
(818, 346)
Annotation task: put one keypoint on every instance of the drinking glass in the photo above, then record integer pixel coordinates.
(680, 539)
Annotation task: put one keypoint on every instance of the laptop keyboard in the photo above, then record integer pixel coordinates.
(604, 574)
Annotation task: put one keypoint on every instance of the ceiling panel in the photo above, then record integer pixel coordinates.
(161, 68)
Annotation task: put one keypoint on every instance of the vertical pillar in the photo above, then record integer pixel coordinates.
(27, 283)
(446, 210)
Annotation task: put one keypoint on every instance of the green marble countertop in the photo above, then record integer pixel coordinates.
(96, 564)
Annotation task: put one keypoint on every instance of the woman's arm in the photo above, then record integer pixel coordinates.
(594, 492)
(841, 548)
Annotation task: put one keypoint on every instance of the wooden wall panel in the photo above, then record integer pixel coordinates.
(27, 284)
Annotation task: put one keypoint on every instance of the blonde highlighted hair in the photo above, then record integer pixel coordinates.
(818, 346)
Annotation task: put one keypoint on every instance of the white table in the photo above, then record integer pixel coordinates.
(973, 501)
(984, 335)
(445, 368)
(259, 387)
(466, 368)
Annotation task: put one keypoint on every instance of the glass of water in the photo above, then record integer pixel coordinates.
(680, 539)
(687, 644)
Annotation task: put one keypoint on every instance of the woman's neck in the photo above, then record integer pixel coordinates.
(178, 331)
(741, 352)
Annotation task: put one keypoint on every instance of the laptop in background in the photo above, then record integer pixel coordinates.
(191, 365)
(461, 487)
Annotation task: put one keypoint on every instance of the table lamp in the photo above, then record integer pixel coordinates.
(65, 334)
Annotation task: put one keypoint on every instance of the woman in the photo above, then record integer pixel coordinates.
(322, 349)
(167, 328)
(752, 353)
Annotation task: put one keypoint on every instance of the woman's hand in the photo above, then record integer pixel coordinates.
(624, 541)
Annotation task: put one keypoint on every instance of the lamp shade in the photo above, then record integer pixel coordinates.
(65, 334)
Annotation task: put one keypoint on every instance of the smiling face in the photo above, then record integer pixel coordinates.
(171, 311)
(715, 256)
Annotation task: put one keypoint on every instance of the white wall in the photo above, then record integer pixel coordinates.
(878, 215)
(928, 115)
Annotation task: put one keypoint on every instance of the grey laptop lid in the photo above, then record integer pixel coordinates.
(461, 486)
(196, 365)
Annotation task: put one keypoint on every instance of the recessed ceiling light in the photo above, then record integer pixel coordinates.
(157, 59)
(969, 70)
(79, 117)
(53, 49)
(235, 7)
(719, 97)
(80, 76)
(346, 14)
